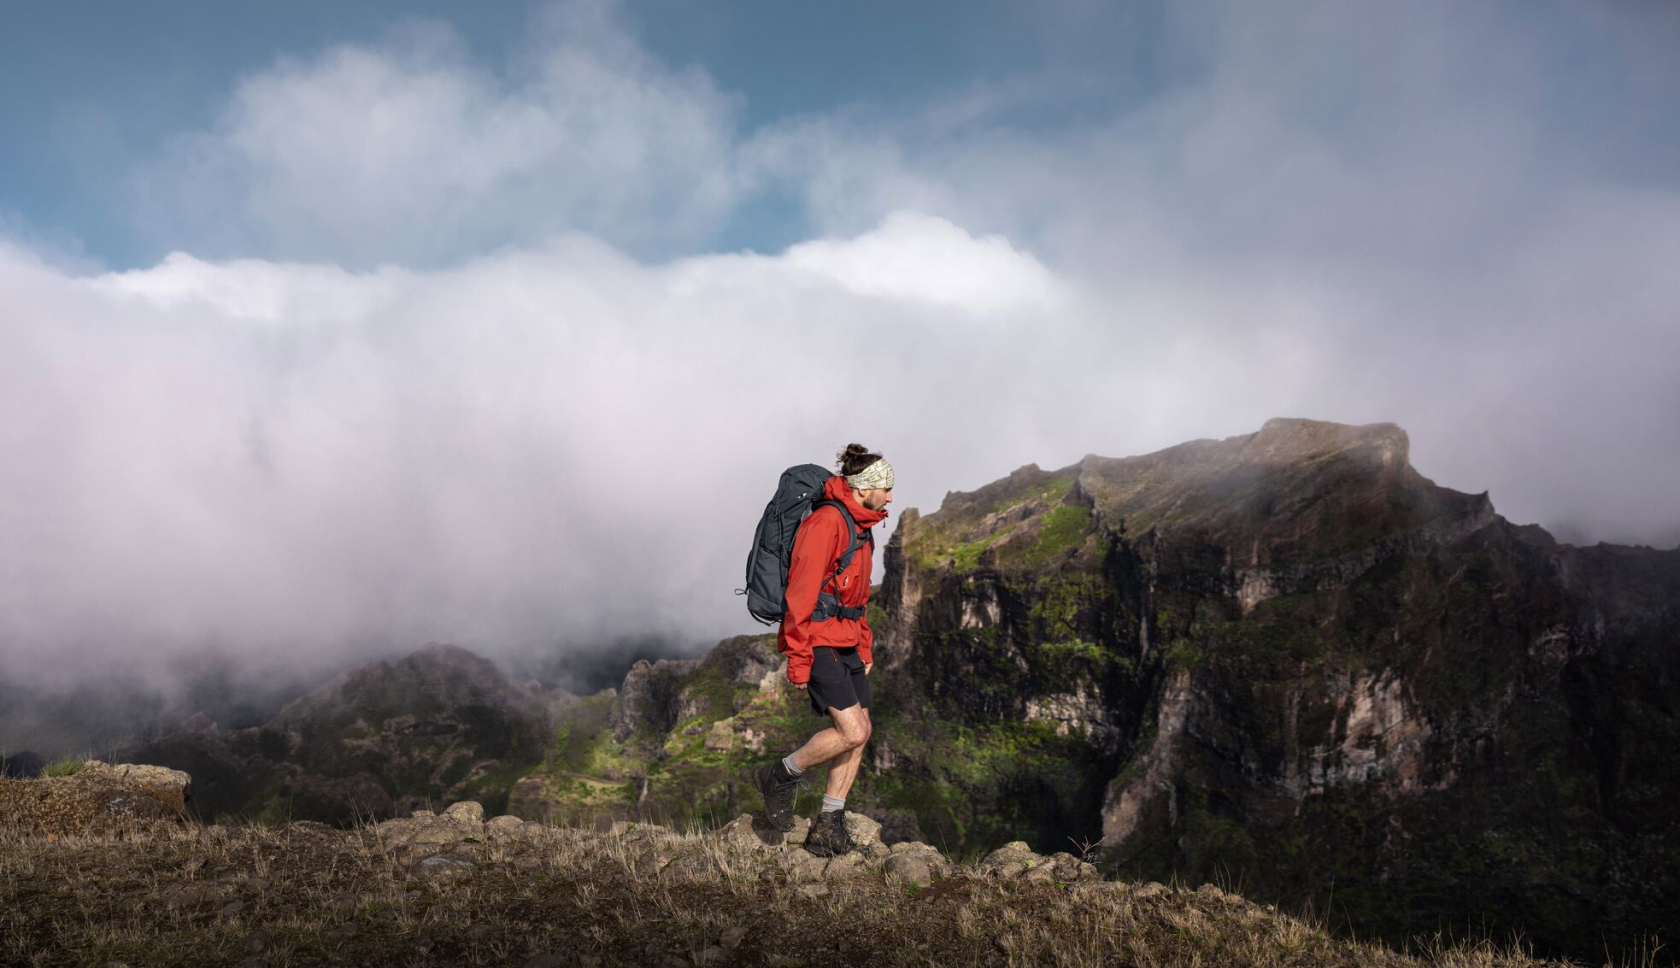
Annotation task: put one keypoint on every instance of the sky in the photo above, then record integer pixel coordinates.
(331, 330)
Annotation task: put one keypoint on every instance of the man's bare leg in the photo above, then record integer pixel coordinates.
(842, 770)
(848, 734)
(828, 836)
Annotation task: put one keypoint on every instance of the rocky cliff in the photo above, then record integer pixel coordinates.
(1289, 659)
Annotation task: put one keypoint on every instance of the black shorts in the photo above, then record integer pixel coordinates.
(837, 679)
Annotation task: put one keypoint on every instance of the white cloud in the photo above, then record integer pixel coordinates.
(912, 258)
(544, 445)
(409, 151)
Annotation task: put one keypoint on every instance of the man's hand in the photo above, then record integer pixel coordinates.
(868, 666)
(800, 685)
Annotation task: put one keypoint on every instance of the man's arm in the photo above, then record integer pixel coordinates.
(815, 547)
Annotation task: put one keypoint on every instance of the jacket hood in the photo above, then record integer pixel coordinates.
(836, 489)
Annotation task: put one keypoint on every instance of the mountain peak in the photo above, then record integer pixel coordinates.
(1294, 490)
(1295, 438)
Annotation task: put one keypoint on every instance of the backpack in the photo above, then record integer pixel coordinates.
(797, 494)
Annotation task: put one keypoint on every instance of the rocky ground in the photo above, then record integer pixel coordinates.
(455, 889)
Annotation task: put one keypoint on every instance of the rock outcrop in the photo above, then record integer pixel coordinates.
(97, 798)
(425, 839)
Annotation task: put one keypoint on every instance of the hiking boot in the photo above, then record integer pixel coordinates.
(777, 786)
(828, 836)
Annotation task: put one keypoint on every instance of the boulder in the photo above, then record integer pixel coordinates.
(1043, 873)
(801, 866)
(443, 865)
(916, 863)
(751, 831)
(842, 867)
(467, 813)
(97, 798)
(423, 828)
(1011, 860)
(863, 830)
(438, 833)
(172, 787)
(1071, 870)
(505, 824)
(911, 867)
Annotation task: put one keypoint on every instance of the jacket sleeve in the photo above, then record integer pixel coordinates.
(815, 547)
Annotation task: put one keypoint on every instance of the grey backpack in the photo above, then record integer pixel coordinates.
(798, 494)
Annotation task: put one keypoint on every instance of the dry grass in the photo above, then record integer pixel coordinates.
(308, 895)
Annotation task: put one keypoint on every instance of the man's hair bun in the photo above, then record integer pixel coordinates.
(854, 459)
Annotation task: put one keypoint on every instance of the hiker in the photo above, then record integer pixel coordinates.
(826, 637)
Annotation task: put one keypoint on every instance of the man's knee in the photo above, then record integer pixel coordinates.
(854, 728)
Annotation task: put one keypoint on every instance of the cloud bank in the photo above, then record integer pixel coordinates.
(554, 444)
(448, 351)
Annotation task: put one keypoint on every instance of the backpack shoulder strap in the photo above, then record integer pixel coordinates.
(855, 537)
(828, 603)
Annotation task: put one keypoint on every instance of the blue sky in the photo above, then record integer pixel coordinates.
(88, 90)
(91, 92)
(388, 316)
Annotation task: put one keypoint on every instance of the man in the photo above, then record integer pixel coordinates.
(826, 636)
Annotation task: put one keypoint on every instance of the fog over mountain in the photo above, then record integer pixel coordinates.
(467, 350)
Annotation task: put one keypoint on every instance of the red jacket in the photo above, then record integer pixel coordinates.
(816, 551)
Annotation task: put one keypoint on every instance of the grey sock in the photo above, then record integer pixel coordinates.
(830, 804)
(791, 766)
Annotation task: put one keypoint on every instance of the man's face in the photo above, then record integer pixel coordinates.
(875, 498)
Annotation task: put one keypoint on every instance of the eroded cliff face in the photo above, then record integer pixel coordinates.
(1291, 659)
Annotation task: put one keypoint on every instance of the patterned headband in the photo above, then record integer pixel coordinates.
(878, 474)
